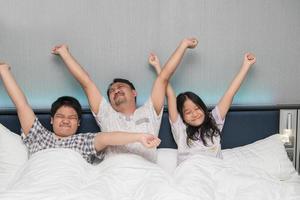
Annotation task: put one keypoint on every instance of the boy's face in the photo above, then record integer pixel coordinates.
(65, 121)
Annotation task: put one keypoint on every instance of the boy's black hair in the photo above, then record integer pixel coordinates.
(66, 101)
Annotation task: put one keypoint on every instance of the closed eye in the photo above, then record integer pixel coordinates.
(187, 112)
(59, 116)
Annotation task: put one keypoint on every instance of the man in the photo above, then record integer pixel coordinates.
(65, 119)
(121, 113)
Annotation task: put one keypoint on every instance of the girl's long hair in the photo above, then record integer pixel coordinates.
(207, 130)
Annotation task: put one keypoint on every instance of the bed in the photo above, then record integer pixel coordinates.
(255, 165)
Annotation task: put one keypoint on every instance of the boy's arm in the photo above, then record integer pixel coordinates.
(225, 102)
(104, 139)
(161, 82)
(93, 94)
(25, 113)
(171, 97)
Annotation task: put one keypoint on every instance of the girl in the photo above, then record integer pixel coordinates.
(194, 128)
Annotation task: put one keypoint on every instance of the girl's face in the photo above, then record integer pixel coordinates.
(193, 115)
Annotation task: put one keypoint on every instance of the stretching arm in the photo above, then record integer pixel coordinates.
(161, 82)
(226, 101)
(25, 112)
(93, 94)
(171, 97)
(102, 140)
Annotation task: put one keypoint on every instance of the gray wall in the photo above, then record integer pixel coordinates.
(113, 38)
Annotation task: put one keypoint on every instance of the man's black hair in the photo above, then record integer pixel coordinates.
(120, 80)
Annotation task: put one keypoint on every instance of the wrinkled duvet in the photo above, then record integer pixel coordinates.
(64, 174)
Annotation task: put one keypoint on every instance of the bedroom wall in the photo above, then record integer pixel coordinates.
(113, 39)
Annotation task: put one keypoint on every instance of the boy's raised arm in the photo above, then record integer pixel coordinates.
(25, 112)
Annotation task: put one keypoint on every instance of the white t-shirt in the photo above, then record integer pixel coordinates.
(144, 119)
(196, 147)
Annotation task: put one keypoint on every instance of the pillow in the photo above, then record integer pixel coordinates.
(167, 159)
(13, 154)
(267, 154)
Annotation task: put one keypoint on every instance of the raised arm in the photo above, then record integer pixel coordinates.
(102, 140)
(25, 113)
(171, 97)
(93, 94)
(161, 82)
(225, 102)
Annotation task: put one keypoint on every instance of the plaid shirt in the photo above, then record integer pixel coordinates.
(40, 138)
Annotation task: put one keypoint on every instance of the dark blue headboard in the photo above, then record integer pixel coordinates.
(243, 125)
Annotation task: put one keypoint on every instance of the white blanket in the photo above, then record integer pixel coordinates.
(64, 174)
(213, 178)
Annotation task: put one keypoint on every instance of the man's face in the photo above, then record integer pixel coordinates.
(120, 93)
(65, 121)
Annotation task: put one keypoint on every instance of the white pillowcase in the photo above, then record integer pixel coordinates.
(13, 154)
(267, 154)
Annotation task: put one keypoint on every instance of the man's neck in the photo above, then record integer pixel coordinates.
(126, 109)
